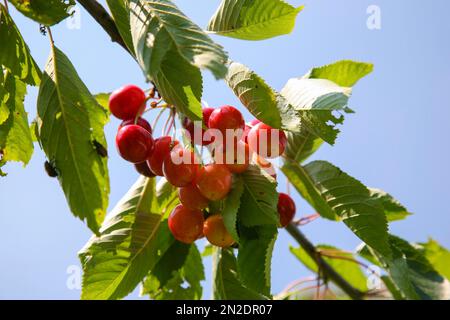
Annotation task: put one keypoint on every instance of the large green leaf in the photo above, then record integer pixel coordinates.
(348, 269)
(231, 207)
(345, 73)
(226, 282)
(300, 146)
(253, 20)
(16, 143)
(132, 240)
(438, 256)
(15, 54)
(393, 209)
(69, 121)
(332, 192)
(120, 10)
(255, 257)
(46, 12)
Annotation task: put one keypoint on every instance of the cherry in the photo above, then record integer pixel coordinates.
(127, 102)
(180, 167)
(144, 169)
(191, 198)
(140, 122)
(215, 231)
(248, 127)
(134, 143)
(190, 127)
(161, 150)
(186, 225)
(286, 209)
(236, 157)
(227, 117)
(260, 140)
(214, 181)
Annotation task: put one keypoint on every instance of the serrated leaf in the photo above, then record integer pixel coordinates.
(259, 199)
(300, 146)
(438, 256)
(253, 20)
(255, 257)
(332, 192)
(69, 121)
(226, 282)
(15, 54)
(103, 100)
(120, 10)
(393, 209)
(345, 73)
(348, 269)
(46, 12)
(231, 207)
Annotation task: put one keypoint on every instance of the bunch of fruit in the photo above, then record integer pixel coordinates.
(232, 143)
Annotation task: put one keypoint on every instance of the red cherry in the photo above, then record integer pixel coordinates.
(144, 169)
(190, 127)
(260, 140)
(215, 231)
(286, 209)
(227, 117)
(186, 225)
(127, 102)
(180, 167)
(134, 143)
(236, 157)
(214, 181)
(140, 122)
(191, 198)
(161, 150)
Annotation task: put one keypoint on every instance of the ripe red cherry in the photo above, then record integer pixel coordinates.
(260, 140)
(286, 209)
(214, 181)
(248, 127)
(236, 157)
(127, 102)
(180, 167)
(140, 122)
(144, 169)
(191, 198)
(161, 150)
(215, 231)
(186, 225)
(227, 117)
(134, 143)
(190, 127)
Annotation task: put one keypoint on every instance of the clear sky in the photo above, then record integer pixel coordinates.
(397, 140)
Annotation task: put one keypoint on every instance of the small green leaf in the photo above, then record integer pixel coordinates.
(46, 12)
(393, 209)
(438, 256)
(120, 10)
(103, 100)
(345, 73)
(253, 20)
(231, 207)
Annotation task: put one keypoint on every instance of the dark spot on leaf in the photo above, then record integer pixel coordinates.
(100, 149)
(50, 169)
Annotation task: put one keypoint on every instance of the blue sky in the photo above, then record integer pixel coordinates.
(397, 140)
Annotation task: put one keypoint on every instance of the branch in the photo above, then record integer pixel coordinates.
(324, 267)
(104, 19)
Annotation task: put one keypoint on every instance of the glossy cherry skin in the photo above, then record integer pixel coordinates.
(134, 143)
(214, 181)
(286, 209)
(144, 169)
(140, 122)
(185, 224)
(127, 102)
(236, 157)
(227, 117)
(188, 124)
(215, 231)
(191, 198)
(248, 127)
(180, 167)
(161, 150)
(261, 135)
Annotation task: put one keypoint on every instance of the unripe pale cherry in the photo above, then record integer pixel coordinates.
(286, 209)
(260, 141)
(127, 102)
(215, 231)
(188, 124)
(185, 224)
(214, 181)
(191, 198)
(227, 117)
(144, 169)
(134, 143)
(140, 122)
(180, 167)
(162, 148)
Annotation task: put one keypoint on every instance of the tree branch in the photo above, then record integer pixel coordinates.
(324, 267)
(102, 17)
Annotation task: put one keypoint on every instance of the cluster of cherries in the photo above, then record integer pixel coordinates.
(235, 145)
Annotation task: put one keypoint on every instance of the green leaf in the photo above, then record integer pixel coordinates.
(132, 240)
(16, 142)
(166, 195)
(46, 12)
(393, 209)
(69, 121)
(348, 269)
(332, 192)
(231, 207)
(226, 282)
(103, 100)
(259, 199)
(390, 285)
(255, 257)
(438, 256)
(253, 20)
(345, 73)
(300, 146)
(15, 54)
(120, 10)
(260, 99)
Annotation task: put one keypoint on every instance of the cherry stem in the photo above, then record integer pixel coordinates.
(6, 5)
(307, 219)
(155, 122)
